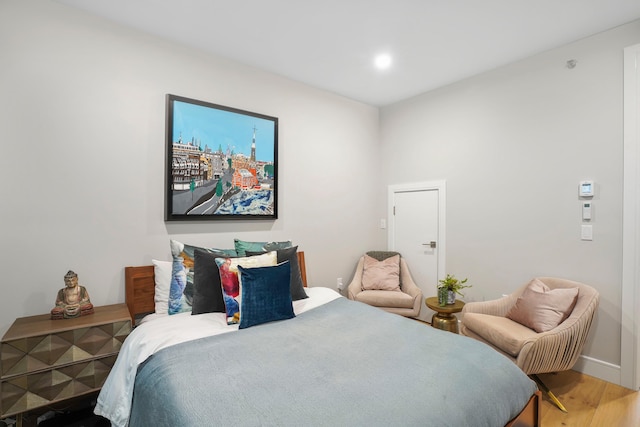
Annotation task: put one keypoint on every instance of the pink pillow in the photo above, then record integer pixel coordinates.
(542, 309)
(381, 275)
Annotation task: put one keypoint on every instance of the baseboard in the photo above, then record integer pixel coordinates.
(597, 368)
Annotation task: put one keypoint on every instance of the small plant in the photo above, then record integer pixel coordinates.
(450, 283)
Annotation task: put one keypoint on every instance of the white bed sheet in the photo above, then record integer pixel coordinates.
(160, 331)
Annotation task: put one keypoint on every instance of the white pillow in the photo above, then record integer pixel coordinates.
(162, 277)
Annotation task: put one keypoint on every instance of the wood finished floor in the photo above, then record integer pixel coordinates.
(590, 402)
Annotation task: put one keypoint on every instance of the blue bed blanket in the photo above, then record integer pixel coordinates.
(342, 364)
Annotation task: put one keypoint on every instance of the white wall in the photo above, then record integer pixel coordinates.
(82, 164)
(513, 144)
(82, 116)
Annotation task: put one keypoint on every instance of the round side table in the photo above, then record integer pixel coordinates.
(444, 318)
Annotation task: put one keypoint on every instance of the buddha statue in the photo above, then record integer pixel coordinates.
(72, 300)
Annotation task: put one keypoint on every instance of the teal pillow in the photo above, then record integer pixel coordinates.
(265, 295)
(243, 246)
(274, 246)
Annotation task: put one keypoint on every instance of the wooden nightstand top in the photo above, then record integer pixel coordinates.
(31, 326)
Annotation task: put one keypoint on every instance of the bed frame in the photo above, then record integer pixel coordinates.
(139, 293)
(531, 415)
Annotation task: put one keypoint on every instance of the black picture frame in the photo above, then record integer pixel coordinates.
(221, 162)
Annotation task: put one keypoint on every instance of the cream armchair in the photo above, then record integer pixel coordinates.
(406, 303)
(552, 351)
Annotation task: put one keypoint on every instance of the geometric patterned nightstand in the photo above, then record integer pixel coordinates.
(44, 361)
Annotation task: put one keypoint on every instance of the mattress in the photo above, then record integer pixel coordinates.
(338, 362)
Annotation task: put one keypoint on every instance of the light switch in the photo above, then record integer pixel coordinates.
(587, 232)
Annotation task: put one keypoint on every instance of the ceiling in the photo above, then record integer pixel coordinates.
(331, 44)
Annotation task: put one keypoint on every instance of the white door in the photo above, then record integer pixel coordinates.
(630, 344)
(416, 230)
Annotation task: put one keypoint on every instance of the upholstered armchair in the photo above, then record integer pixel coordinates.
(535, 352)
(406, 301)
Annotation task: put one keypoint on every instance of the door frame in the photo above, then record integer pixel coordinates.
(630, 295)
(441, 187)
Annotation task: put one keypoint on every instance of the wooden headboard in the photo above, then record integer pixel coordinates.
(140, 287)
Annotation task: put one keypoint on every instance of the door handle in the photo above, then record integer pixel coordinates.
(431, 244)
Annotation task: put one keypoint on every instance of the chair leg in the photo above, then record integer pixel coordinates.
(552, 396)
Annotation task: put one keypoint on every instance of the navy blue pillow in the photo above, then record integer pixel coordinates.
(265, 295)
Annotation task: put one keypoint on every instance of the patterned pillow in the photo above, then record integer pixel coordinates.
(230, 280)
(183, 274)
(242, 246)
(265, 295)
(177, 298)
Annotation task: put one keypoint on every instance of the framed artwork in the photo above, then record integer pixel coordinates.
(221, 162)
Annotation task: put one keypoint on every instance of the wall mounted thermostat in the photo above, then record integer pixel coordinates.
(586, 211)
(586, 188)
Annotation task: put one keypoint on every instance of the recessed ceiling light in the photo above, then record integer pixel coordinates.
(383, 61)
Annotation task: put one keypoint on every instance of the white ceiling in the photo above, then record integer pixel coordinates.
(331, 44)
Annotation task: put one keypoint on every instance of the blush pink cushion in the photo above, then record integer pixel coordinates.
(542, 309)
(503, 333)
(381, 275)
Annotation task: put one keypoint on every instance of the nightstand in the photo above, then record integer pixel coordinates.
(444, 318)
(44, 361)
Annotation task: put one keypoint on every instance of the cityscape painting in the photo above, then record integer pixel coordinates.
(221, 162)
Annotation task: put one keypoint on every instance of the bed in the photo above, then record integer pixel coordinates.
(337, 362)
